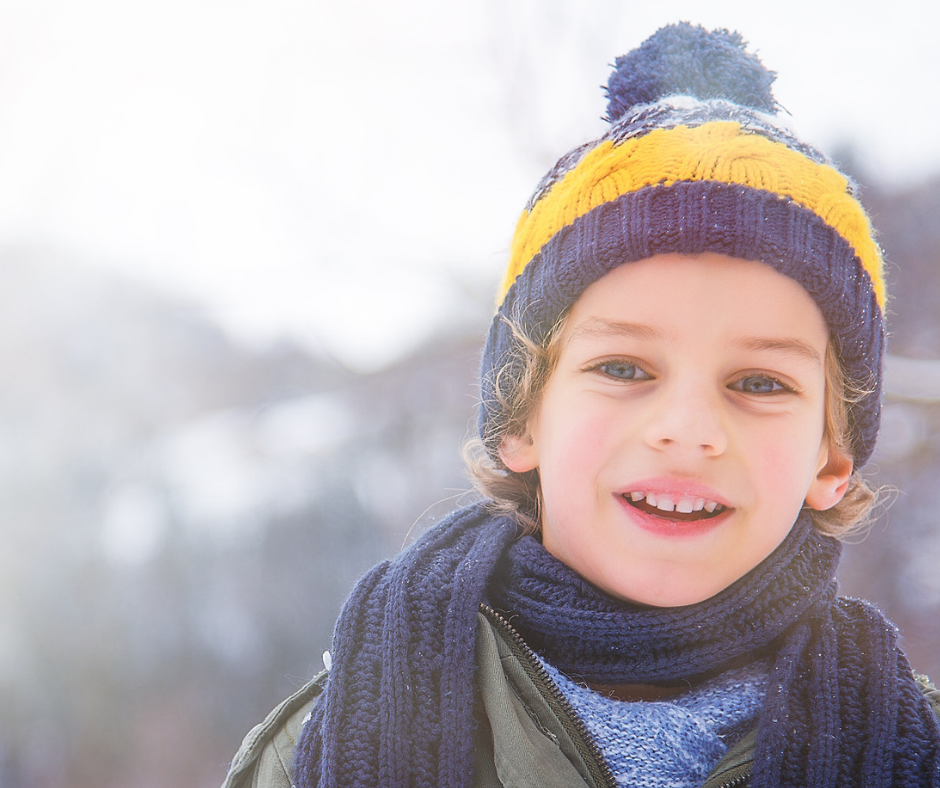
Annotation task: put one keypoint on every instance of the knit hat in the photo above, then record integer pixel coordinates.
(695, 160)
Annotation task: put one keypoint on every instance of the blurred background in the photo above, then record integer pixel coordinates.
(247, 257)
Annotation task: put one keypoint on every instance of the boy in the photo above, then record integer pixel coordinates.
(681, 380)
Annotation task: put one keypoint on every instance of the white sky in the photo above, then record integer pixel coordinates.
(329, 169)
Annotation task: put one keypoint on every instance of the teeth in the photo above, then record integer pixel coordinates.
(664, 504)
(685, 505)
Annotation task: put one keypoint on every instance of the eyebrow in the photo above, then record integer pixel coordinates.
(597, 327)
(790, 346)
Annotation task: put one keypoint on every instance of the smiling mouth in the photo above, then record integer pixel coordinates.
(685, 509)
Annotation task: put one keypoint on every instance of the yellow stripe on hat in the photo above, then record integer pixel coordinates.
(717, 151)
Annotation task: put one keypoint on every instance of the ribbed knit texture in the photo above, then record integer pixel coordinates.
(672, 743)
(717, 152)
(842, 708)
(397, 708)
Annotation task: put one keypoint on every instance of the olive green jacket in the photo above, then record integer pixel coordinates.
(528, 736)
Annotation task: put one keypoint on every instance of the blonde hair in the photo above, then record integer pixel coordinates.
(518, 494)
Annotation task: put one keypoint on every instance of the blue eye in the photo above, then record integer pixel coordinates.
(623, 371)
(759, 384)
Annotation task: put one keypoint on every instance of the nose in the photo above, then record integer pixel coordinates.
(687, 417)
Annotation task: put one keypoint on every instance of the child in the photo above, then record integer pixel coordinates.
(683, 375)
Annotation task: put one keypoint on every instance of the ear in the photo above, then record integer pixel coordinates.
(518, 453)
(832, 479)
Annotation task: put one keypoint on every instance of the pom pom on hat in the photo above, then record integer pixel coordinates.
(688, 60)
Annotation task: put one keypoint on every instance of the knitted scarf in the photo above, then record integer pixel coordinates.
(842, 708)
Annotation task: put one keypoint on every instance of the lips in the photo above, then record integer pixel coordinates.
(680, 508)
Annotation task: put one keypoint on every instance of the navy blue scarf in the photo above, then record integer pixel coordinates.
(842, 707)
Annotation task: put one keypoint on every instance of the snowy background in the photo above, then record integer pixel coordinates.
(247, 255)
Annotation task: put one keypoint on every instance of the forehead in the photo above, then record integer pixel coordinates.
(704, 296)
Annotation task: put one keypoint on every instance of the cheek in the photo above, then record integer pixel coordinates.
(784, 465)
(580, 435)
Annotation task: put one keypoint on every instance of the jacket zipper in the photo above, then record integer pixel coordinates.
(741, 781)
(573, 724)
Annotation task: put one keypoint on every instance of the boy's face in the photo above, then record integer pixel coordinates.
(681, 430)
